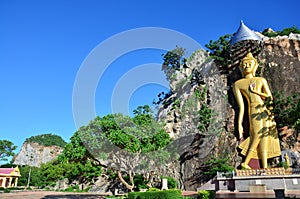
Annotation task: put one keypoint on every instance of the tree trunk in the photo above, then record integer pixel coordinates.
(128, 186)
(28, 180)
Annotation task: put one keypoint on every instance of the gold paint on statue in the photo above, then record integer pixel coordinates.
(287, 160)
(263, 142)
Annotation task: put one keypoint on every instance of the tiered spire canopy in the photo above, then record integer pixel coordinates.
(244, 33)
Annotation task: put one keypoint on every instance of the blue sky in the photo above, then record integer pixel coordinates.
(43, 45)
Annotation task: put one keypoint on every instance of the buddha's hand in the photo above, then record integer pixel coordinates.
(241, 130)
(252, 87)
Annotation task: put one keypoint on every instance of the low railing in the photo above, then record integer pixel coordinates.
(259, 172)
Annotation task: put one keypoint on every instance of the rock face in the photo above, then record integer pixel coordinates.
(34, 155)
(280, 65)
(281, 58)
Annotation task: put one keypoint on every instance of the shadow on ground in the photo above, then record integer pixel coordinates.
(73, 196)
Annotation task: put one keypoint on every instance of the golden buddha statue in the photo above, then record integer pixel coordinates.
(263, 142)
(287, 160)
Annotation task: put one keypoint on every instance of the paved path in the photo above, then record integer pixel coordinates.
(190, 193)
(49, 195)
(62, 195)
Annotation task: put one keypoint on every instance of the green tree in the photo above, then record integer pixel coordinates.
(96, 142)
(219, 49)
(286, 110)
(287, 113)
(123, 139)
(172, 61)
(35, 177)
(75, 162)
(6, 149)
(215, 164)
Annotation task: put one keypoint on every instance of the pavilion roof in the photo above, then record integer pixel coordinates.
(9, 171)
(6, 170)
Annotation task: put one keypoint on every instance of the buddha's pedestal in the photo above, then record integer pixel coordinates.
(262, 179)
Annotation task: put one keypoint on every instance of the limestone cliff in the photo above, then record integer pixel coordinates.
(34, 154)
(281, 58)
(279, 64)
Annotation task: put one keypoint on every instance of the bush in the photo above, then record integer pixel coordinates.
(214, 165)
(205, 194)
(73, 188)
(153, 189)
(172, 183)
(15, 188)
(166, 194)
(6, 190)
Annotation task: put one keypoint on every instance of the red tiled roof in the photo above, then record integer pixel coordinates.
(6, 170)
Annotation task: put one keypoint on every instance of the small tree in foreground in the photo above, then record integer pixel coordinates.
(6, 149)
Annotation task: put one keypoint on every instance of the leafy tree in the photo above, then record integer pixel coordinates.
(287, 113)
(172, 61)
(47, 140)
(75, 162)
(6, 149)
(123, 139)
(75, 151)
(286, 110)
(51, 172)
(205, 115)
(82, 158)
(219, 49)
(215, 164)
(35, 177)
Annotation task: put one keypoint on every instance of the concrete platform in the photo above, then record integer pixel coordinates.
(261, 195)
(256, 185)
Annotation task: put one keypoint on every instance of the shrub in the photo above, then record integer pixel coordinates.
(166, 194)
(15, 188)
(206, 194)
(214, 165)
(6, 190)
(172, 183)
(153, 189)
(73, 188)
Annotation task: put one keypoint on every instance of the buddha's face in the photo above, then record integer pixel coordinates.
(248, 66)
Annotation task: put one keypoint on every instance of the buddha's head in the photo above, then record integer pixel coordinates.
(248, 65)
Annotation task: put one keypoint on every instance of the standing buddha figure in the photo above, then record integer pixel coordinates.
(263, 142)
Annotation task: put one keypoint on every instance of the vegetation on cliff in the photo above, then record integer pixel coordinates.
(47, 140)
(172, 61)
(285, 31)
